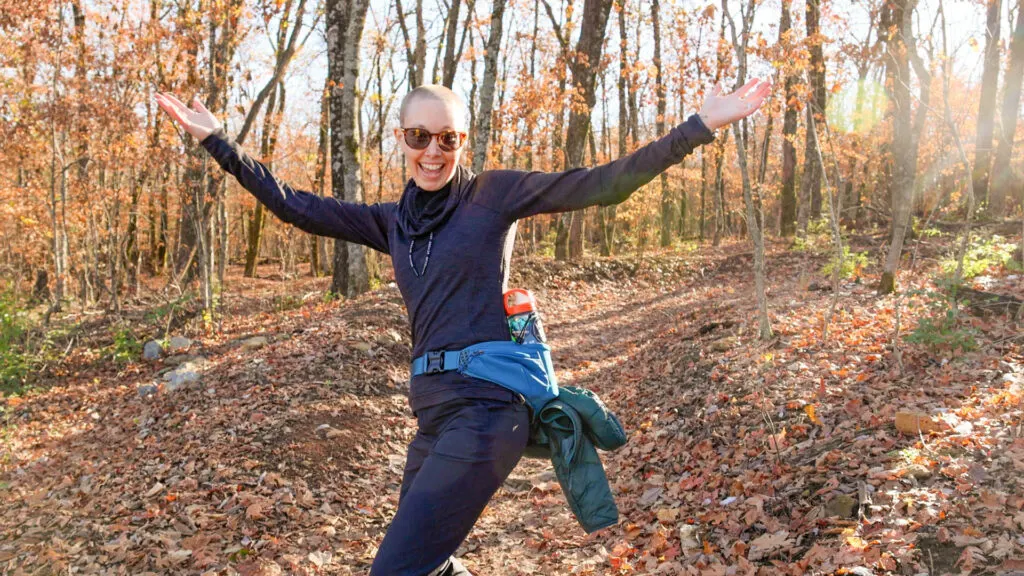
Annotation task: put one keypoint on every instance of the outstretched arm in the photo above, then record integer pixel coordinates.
(359, 223)
(522, 194)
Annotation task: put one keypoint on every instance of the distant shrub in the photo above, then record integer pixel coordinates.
(15, 362)
(981, 255)
(547, 243)
(285, 302)
(943, 332)
(126, 346)
(817, 239)
(853, 264)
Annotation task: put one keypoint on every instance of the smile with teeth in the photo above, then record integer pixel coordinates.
(431, 168)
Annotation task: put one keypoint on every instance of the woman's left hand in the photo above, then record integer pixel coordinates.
(719, 110)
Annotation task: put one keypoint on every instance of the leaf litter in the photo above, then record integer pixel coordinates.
(786, 457)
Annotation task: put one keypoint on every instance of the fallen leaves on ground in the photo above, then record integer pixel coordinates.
(791, 456)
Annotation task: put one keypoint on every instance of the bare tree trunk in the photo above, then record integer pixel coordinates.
(58, 223)
(903, 177)
(719, 192)
(753, 219)
(810, 184)
(451, 55)
(703, 190)
(1002, 175)
(787, 224)
(483, 129)
(559, 162)
(285, 53)
(684, 194)
(606, 214)
(195, 224)
(222, 226)
(965, 162)
(659, 124)
(258, 218)
(584, 64)
(924, 78)
(131, 235)
(345, 21)
(416, 49)
(987, 102)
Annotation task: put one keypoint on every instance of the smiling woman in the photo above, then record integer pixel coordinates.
(450, 239)
(432, 134)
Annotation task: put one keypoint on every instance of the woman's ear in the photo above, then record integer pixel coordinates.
(403, 148)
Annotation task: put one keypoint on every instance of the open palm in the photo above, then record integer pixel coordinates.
(719, 110)
(197, 121)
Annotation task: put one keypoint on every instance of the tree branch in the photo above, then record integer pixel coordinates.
(562, 40)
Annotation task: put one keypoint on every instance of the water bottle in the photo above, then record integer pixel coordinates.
(523, 319)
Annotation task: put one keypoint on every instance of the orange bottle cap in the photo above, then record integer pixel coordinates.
(518, 301)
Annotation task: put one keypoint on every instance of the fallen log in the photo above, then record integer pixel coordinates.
(988, 303)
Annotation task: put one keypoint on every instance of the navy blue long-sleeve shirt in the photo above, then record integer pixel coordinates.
(458, 299)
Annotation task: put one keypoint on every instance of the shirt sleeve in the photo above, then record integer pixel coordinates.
(324, 216)
(520, 194)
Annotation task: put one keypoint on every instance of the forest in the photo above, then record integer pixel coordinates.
(812, 328)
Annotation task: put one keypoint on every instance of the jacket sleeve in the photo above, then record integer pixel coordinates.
(353, 222)
(520, 194)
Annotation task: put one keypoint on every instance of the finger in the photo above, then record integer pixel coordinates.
(172, 108)
(745, 90)
(198, 106)
(759, 101)
(167, 106)
(182, 108)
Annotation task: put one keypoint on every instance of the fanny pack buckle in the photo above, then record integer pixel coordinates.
(435, 362)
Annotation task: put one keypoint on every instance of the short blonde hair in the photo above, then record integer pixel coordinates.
(434, 92)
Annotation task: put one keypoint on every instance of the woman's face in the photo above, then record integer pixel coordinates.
(431, 168)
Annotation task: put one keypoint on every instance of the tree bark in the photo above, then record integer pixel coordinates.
(483, 129)
(450, 58)
(987, 101)
(787, 223)
(285, 55)
(754, 228)
(898, 73)
(345, 22)
(924, 81)
(719, 191)
(318, 254)
(1002, 175)
(810, 185)
(415, 49)
(659, 123)
(584, 64)
(606, 214)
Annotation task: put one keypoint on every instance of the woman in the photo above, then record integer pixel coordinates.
(450, 245)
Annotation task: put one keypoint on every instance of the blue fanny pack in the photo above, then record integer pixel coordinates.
(522, 368)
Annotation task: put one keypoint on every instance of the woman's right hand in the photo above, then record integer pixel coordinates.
(197, 121)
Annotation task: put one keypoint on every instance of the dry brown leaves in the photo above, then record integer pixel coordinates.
(744, 457)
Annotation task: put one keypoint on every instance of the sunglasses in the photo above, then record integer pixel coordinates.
(447, 140)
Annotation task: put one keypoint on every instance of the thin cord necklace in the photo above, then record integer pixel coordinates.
(430, 244)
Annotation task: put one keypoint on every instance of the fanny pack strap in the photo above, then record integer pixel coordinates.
(436, 362)
(522, 368)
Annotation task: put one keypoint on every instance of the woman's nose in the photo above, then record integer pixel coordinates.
(433, 148)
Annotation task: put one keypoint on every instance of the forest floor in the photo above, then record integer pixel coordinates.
(805, 454)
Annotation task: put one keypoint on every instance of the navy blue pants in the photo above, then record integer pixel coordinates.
(462, 452)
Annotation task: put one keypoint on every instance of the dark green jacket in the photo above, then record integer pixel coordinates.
(568, 430)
